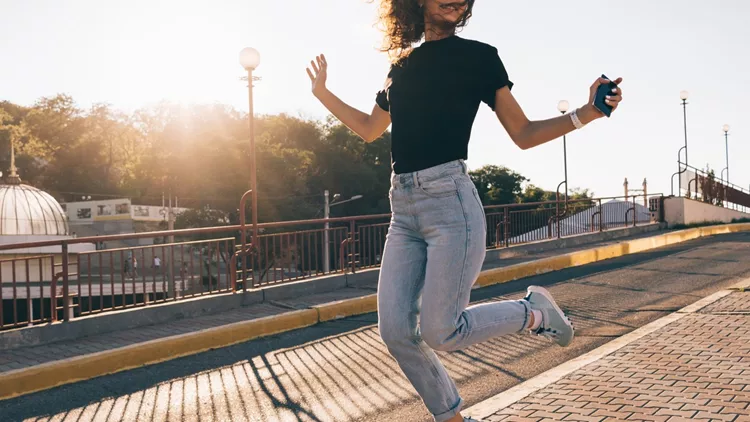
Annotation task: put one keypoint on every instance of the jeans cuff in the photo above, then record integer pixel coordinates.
(526, 315)
(451, 413)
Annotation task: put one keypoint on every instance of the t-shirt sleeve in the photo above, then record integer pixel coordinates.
(493, 77)
(382, 96)
(382, 99)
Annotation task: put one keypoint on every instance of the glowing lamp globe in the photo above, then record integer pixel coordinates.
(684, 95)
(563, 106)
(249, 58)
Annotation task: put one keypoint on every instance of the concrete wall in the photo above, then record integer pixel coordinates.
(689, 211)
(570, 242)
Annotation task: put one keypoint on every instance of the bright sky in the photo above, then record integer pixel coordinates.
(135, 53)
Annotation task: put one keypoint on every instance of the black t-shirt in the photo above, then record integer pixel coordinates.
(433, 96)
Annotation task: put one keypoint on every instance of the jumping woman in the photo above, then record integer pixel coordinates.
(436, 240)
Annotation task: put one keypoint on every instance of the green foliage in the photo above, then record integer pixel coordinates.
(201, 154)
(201, 217)
(497, 185)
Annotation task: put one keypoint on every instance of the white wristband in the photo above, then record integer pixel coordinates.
(576, 121)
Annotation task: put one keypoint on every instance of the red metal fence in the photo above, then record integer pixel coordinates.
(48, 281)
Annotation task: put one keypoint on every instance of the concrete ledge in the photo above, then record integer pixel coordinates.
(41, 377)
(299, 288)
(125, 319)
(570, 241)
(690, 211)
(574, 259)
(347, 307)
(53, 374)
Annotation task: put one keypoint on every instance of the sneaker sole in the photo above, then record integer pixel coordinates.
(544, 292)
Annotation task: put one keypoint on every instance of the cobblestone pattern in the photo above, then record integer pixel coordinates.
(737, 302)
(697, 368)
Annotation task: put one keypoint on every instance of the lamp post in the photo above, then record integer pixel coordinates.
(683, 96)
(563, 107)
(725, 128)
(327, 215)
(250, 60)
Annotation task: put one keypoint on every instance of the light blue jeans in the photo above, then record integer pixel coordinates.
(433, 254)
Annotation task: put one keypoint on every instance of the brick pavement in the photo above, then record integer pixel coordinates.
(696, 368)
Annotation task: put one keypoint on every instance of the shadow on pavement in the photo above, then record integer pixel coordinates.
(341, 371)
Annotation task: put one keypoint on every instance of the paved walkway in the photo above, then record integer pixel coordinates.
(692, 365)
(31, 356)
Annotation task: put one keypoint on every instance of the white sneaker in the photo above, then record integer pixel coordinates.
(555, 324)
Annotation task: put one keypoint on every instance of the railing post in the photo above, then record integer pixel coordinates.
(353, 245)
(506, 230)
(635, 212)
(601, 216)
(53, 292)
(557, 210)
(66, 285)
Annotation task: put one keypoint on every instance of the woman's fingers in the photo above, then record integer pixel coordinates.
(310, 74)
(613, 101)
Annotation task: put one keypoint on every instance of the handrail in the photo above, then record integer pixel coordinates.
(671, 185)
(236, 228)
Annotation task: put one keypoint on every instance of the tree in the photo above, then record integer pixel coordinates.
(201, 217)
(533, 193)
(713, 191)
(497, 185)
(579, 200)
(200, 154)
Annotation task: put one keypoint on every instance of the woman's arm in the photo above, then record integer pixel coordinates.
(529, 134)
(368, 126)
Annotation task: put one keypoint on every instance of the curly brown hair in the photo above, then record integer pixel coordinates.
(404, 25)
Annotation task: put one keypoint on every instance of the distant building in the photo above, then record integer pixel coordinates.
(28, 215)
(612, 215)
(115, 216)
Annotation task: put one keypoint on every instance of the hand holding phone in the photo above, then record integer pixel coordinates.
(601, 96)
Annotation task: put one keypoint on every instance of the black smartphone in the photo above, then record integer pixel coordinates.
(601, 96)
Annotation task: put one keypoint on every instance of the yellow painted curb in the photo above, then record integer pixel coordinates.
(347, 307)
(574, 259)
(79, 368)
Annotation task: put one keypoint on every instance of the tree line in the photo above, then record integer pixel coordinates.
(200, 154)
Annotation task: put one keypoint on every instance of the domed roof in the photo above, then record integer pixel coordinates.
(26, 210)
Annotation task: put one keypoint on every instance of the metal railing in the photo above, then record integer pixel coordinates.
(699, 184)
(56, 280)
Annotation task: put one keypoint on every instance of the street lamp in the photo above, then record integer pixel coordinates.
(250, 60)
(683, 96)
(725, 128)
(563, 107)
(327, 215)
